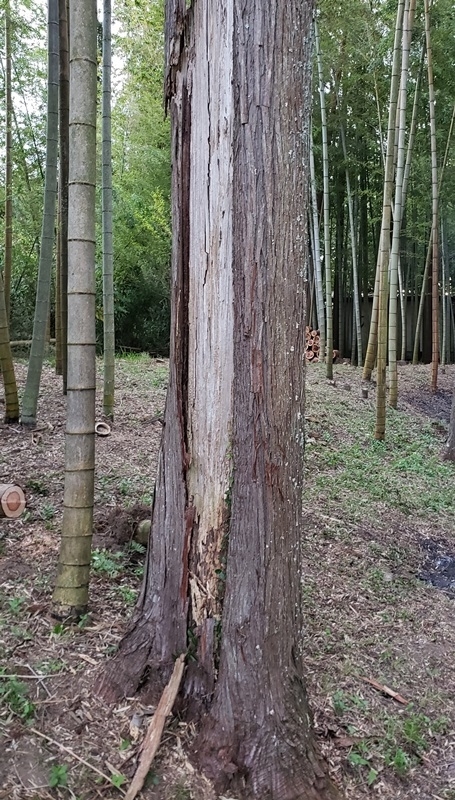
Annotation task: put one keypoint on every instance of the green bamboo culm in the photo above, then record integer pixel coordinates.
(38, 346)
(325, 172)
(384, 253)
(70, 597)
(108, 257)
(6, 362)
(8, 235)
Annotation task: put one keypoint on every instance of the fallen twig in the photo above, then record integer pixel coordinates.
(18, 677)
(74, 755)
(155, 729)
(40, 678)
(385, 690)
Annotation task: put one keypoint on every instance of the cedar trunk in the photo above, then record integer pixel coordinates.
(223, 573)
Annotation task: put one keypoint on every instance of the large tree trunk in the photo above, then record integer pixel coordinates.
(223, 571)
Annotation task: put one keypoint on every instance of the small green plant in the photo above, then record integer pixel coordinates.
(16, 605)
(339, 702)
(117, 779)
(14, 694)
(414, 730)
(399, 760)
(37, 486)
(358, 760)
(109, 563)
(136, 547)
(128, 595)
(125, 744)
(407, 738)
(146, 499)
(342, 702)
(358, 702)
(139, 571)
(125, 486)
(58, 775)
(83, 621)
(58, 629)
(47, 511)
(51, 666)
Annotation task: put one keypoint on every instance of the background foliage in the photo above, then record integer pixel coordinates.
(356, 44)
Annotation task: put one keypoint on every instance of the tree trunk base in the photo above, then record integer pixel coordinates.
(267, 765)
(131, 667)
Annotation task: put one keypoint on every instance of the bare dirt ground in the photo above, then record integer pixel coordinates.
(369, 616)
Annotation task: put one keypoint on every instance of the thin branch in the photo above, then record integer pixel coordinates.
(75, 755)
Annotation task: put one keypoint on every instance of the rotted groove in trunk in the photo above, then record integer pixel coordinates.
(210, 342)
(158, 629)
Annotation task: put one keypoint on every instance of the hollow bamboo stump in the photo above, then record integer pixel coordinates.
(12, 500)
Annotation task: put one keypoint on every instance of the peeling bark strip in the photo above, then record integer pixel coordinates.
(224, 558)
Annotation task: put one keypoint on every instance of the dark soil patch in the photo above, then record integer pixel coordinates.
(438, 568)
(118, 527)
(435, 405)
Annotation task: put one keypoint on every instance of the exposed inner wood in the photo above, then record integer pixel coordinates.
(12, 501)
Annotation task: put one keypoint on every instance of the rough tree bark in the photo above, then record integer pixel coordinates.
(223, 575)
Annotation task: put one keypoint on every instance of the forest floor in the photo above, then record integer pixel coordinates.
(379, 589)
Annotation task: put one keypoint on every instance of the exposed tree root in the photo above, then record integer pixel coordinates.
(124, 673)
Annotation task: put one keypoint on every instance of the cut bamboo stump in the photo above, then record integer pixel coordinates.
(12, 501)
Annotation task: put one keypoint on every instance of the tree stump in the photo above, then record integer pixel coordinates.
(12, 501)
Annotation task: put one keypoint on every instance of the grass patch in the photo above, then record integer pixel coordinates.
(14, 697)
(357, 473)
